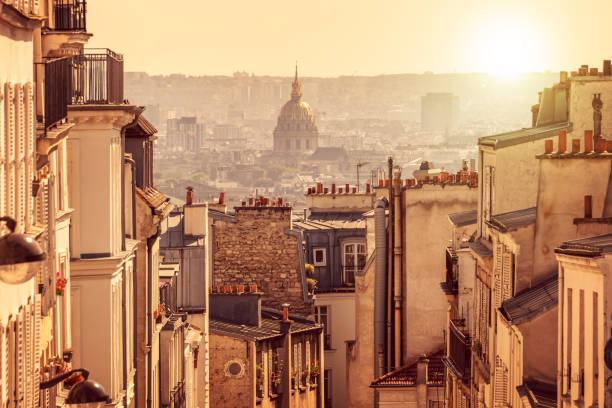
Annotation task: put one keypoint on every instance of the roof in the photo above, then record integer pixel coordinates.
(220, 215)
(172, 235)
(536, 394)
(406, 376)
(159, 203)
(142, 128)
(326, 221)
(588, 247)
(329, 154)
(270, 327)
(480, 249)
(464, 218)
(513, 220)
(523, 135)
(532, 302)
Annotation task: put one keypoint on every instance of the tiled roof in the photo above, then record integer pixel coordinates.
(158, 202)
(523, 135)
(270, 327)
(532, 302)
(464, 218)
(142, 128)
(588, 247)
(406, 376)
(535, 394)
(513, 220)
(331, 220)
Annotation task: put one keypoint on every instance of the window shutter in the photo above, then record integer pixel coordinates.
(501, 384)
(10, 146)
(508, 275)
(30, 149)
(35, 6)
(3, 141)
(28, 355)
(498, 276)
(20, 358)
(10, 360)
(36, 359)
(3, 384)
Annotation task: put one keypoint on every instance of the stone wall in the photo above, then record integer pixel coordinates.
(228, 391)
(256, 249)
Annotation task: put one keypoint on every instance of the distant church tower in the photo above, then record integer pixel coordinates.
(295, 129)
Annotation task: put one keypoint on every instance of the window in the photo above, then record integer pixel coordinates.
(327, 383)
(319, 256)
(322, 316)
(353, 262)
(297, 145)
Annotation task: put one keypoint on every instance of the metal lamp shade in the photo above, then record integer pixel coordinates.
(20, 258)
(87, 393)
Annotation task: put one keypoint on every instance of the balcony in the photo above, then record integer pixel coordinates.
(70, 15)
(459, 354)
(450, 286)
(92, 77)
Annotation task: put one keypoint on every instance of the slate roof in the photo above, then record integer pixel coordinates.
(513, 220)
(406, 376)
(532, 302)
(159, 203)
(523, 135)
(325, 221)
(536, 394)
(172, 233)
(142, 127)
(589, 247)
(464, 218)
(270, 327)
(220, 215)
(329, 154)
(480, 249)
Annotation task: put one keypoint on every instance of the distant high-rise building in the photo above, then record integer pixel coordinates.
(296, 130)
(439, 111)
(185, 133)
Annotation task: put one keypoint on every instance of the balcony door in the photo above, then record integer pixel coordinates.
(354, 259)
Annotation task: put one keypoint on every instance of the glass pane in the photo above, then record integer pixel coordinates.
(318, 255)
(349, 248)
(361, 249)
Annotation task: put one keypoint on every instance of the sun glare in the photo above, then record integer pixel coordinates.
(507, 48)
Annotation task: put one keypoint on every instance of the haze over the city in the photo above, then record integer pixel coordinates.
(342, 37)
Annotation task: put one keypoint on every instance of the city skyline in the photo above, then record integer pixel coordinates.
(356, 38)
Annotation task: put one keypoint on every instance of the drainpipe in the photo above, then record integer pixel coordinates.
(397, 269)
(380, 275)
(561, 378)
(150, 242)
(389, 300)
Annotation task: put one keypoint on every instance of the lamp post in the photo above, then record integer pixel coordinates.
(20, 255)
(87, 393)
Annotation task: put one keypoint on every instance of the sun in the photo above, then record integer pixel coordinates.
(507, 47)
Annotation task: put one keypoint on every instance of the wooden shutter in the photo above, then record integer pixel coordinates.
(501, 384)
(9, 105)
(3, 362)
(3, 142)
(37, 316)
(30, 149)
(28, 355)
(11, 354)
(508, 276)
(20, 358)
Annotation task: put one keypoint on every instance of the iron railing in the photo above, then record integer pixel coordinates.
(459, 350)
(177, 396)
(70, 15)
(98, 77)
(57, 90)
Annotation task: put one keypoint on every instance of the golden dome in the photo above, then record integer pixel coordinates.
(296, 108)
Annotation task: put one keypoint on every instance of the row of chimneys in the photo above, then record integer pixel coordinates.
(585, 71)
(262, 201)
(461, 177)
(601, 145)
(319, 189)
(235, 289)
(189, 197)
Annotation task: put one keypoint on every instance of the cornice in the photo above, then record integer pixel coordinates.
(17, 19)
(116, 116)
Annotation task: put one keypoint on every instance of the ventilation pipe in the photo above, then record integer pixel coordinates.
(380, 285)
(397, 270)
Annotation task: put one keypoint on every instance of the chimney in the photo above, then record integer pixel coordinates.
(563, 77)
(588, 206)
(600, 147)
(575, 145)
(286, 311)
(421, 381)
(607, 68)
(221, 198)
(189, 196)
(588, 141)
(326, 190)
(548, 146)
(354, 190)
(368, 188)
(285, 324)
(333, 188)
(250, 201)
(347, 188)
(562, 141)
(319, 188)
(609, 146)
(593, 71)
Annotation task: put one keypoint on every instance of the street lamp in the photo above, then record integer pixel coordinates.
(20, 255)
(87, 393)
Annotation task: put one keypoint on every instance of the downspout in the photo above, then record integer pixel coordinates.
(150, 241)
(397, 269)
(134, 275)
(380, 271)
(389, 298)
(561, 380)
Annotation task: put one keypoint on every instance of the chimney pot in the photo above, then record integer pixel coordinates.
(562, 143)
(575, 145)
(588, 206)
(593, 71)
(286, 311)
(574, 73)
(601, 145)
(609, 146)
(252, 288)
(354, 190)
(319, 188)
(436, 179)
(347, 188)
(607, 68)
(326, 190)
(368, 187)
(222, 198)
(380, 182)
(548, 146)
(243, 203)
(386, 182)
(333, 188)
(340, 190)
(189, 196)
(588, 141)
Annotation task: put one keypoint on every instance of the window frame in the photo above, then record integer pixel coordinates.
(327, 338)
(356, 243)
(314, 256)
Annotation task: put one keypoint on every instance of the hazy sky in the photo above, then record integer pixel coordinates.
(345, 37)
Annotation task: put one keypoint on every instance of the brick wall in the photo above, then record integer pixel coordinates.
(256, 249)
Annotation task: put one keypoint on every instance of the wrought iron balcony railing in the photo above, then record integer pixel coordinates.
(70, 15)
(177, 396)
(459, 354)
(93, 77)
